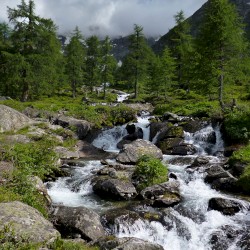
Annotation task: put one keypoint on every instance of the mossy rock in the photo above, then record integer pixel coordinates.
(169, 144)
(175, 131)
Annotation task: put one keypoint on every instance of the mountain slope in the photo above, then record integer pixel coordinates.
(243, 7)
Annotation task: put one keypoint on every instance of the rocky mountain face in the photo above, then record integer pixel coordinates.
(243, 7)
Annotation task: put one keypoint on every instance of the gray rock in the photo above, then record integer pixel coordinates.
(183, 149)
(163, 195)
(200, 161)
(11, 119)
(26, 223)
(193, 126)
(215, 172)
(127, 244)
(138, 107)
(81, 127)
(225, 206)
(114, 189)
(78, 220)
(131, 153)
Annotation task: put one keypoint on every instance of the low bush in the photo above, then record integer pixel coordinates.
(237, 126)
(150, 171)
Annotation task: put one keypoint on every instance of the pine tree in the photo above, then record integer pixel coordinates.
(93, 62)
(75, 60)
(221, 45)
(108, 65)
(30, 65)
(181, 47)
(137, 61)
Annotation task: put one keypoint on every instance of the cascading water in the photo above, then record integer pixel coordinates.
(189, 225)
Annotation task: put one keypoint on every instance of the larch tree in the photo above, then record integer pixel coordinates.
(221, 46)
(30, 64)
(108, 64)
(92, 68)
(75, 60)
(181, 47)
(137, 61)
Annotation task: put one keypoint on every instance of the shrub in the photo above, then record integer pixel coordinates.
(237, 126)
(150, 171)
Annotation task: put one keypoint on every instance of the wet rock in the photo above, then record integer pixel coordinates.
(168, 144)
(193, 126)
(81, 127)
(170, 221)
(78, 220)
(244, 241)
(160, 128)
(11, 119)
(225, 206)
(182, 149)
(114, 189)
(26, 223)
(163, 195)
(228, 184)
(116, 216)
(215, 172)
(65, 153)
(179, 160)
(123, 142)
(127, 244)
(200, 161)
(238, 168)
(131, 153)
(130, 128)
(171, 117)
(223, 237)
(175, 131)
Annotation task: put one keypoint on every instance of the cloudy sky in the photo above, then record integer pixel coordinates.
(110, 17)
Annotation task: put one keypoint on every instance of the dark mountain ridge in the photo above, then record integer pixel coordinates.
(242, 6)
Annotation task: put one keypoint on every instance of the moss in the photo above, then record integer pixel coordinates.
(150, 171)
(243, 156)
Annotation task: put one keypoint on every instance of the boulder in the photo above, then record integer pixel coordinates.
(171, 117)
(139, 107)
(215, 172)
(131, 153)
(123, 142)
(193, 126)
(114, 189)
(168, 144)
(81, 127)
(127, 243)
(159, 129)
(65, 153)
(26, 223)
(182, 149)
(175, 131)
(163, 195)
(228, 184)
(11, 119)
(130, 128)
(200, 161)
(78, 220)
(120, 215)
(225, 206)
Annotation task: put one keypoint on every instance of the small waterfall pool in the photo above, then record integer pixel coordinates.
(194, 227)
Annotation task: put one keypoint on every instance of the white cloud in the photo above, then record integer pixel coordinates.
(112, 17)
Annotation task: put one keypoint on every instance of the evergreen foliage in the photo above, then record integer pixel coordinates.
(222, 48)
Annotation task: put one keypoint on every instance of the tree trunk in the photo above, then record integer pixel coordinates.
(221, 85)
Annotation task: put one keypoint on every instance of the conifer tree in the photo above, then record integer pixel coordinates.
(221, 45)
(108, 64)
(75, 60)
(181, 47)
(92, 62)
(137, 61)
(30, 65)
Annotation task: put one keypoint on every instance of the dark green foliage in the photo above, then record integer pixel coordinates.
(237, 125)
(222, 49)
(108, 65)
(92, 63)
(150, 171)
(32, 63)
(242, 156)
(75, 62)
